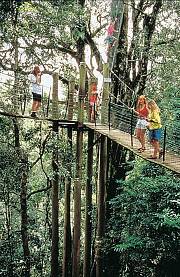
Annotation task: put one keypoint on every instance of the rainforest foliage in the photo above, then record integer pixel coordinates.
(142, 227)
(144, 223)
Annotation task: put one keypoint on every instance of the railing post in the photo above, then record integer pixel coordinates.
(82, 72)
(55, 96)
(109, 112)
(164, 143)
(105, 95)
(94, 107)
(43, 109)
(132, 114)
(71, 98)
(48, 102)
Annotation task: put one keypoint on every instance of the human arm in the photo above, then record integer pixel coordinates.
(35, 79)
(135, 111)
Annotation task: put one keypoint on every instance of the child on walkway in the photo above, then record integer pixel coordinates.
(141, 125)
(93, 98)
(154, 128)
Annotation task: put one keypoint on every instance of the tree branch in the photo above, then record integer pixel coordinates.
(39, 190)
(42, 149)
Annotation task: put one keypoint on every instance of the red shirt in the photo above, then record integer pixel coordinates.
(110, 30)
(93, 98)
(143, 112)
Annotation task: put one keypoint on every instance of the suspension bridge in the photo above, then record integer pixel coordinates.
(118, 123)
(120, 127)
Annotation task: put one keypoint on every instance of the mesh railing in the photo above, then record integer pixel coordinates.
(123, 118)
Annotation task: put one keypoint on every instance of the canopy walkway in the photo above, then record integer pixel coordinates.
(116, 121)
(118, 124)
(171, 159)
(120, 127)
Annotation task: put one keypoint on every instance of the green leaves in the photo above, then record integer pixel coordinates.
(145, 221)
(130, 242)
(169, 219)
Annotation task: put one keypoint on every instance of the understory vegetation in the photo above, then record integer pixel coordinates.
(70, 205)
(144, 228)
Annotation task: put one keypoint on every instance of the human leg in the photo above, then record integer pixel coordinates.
(142, 139)
(156, 148)
(157, 136)
(36, 104)
(153, 142)
(92, 112)
(154, 155)
(140, 134)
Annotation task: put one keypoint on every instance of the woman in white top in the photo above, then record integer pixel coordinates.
(35, 79)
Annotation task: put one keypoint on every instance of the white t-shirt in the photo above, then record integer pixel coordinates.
(35, 86)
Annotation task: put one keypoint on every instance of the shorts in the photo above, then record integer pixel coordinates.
(109, 40)
(92, 104)
(155, 134)
(141, 123)
(36, 97)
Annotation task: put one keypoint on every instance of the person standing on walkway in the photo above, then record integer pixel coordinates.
(154, 128)
(141, 125)
(36, 88)
(93, 99)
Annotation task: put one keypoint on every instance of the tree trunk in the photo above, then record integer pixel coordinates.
(23, 199)
(55, 185)
(67, 264)
(77, 185)
(24, 220)
(55, 211)
(105, 95)
(101, 206)
(88, 218)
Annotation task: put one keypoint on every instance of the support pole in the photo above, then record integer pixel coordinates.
(82, 93)
(92, 80)
(55, 182)
(88, 212)
(105, 95)
(55, 112)
(71, 99)
(101, 206)
(67, 246)
(132, 116)
(77, 185)
(164, 143)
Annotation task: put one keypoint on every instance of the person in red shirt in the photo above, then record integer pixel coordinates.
(142, 123)
(93, 101)
(110, 39)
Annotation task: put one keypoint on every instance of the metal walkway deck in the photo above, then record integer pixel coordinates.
(172, 161)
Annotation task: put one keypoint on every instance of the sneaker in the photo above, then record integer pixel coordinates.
(141, 149)
(152, 158)
(160, 154)
(33, 114)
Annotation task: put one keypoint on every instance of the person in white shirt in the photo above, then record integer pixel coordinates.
(36, 88)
